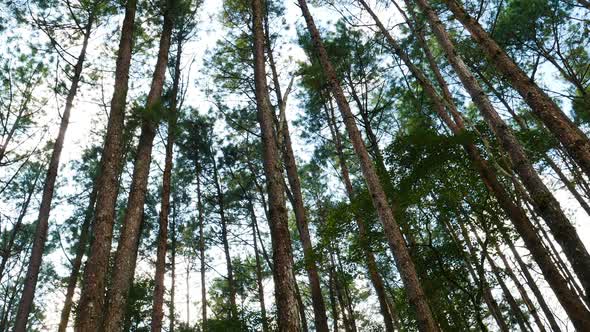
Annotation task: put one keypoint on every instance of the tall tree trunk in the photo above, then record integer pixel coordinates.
(332, 284)
(265, 327)
(124, 267)
(202, 253)
(40, 237)
(392, 231)
(489, 298)
(77, 262)
(158, 301)
(7, 250)
(522, 125)
(90, 307)
(224, 238)
(172, 309)
(284, 278)
(516, 214)
(388, 313)
(572, 138)
(545, 203)
(319, 307)
(300, 306)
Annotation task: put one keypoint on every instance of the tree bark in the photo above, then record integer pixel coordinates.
(545, 203)
(284, 279)
(124, 267)
(202, 252)
(393, 234)
(265, 327)
(158, 301)
(40, 237)
(389, 316)
(224, 238)
(90, 307)
(77, 263)
(319, 307)
(7, 250)
(572, 138)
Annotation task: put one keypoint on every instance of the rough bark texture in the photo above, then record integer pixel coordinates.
(393, 234)
(90, 307)
(284, 280)
(319, 307)
(40, 237)
(77, 262)
(158, 303)
(547, 206)
(572, 138)
(124, 267)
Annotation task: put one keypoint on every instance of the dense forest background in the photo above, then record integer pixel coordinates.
(265, 165)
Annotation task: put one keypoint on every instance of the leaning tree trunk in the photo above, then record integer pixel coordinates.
(40, 237)
(392, 231)
(545, 203)
(284, 279)
(158, 301)
(7, 248)
(89, 315)
(389, 316)
(573, 139)
(124, 267)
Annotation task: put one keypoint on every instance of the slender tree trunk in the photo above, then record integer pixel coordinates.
(265, 327)
(300, 306)
(532, 284)
(388, 317)
(522, 125)
(572, 138)
(7, 250)
(172, 308)
(545, 203)
(224, 238)
(124, 267)
(319, 307)
(514, 307)
(396, 241)
(333, 304)
(202, 253)
(158, 301)
(284, 279)
(40, 237)
(90, 307)
(77, 263)
(523, 293)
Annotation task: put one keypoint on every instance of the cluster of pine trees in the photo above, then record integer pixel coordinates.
(355, 165)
